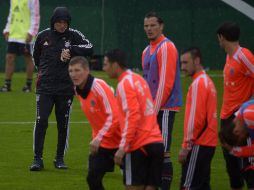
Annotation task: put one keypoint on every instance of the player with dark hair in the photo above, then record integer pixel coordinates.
(230, 31)
(161, 70)
(141, 150)
(238, 88)
(200, 124)
(241, 129)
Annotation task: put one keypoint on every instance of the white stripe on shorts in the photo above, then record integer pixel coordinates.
(165, 128)
(128, 175)
(191, 166)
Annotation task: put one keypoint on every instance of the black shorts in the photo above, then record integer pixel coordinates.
(196, 169)
(103, 161)
(236, 166)
(144, 166)
(165, 120)
(19, 48)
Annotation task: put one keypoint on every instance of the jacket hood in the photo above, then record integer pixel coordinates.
(60, 13)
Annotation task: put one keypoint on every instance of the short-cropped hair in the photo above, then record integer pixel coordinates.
(118, 56)
(194, 51)
(79, 60)
(154, 14)
(230, 31)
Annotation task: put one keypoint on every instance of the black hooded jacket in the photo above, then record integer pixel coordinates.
(53, 77)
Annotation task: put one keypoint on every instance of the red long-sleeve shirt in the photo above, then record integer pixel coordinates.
(200, 121)
(138, 120)
(101, 110)
(238, 81)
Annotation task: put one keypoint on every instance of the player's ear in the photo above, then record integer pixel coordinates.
(162, 26)
(221, 37)
(197, 61)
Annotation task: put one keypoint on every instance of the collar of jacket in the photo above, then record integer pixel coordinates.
(85, 91)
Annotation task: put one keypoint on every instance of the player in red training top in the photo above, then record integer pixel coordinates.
(200, 124)
(242, 128)
(99, 105)
(141, 148)
(238, 88)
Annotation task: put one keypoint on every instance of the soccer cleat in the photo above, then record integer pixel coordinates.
(59, 164)
(27, 89)
(37, 165)
(5, 88)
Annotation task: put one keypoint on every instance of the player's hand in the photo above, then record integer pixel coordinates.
(6, 36)
(65, 55)
(119, 156)
(29, 38)
(94, 146)
(182, 156)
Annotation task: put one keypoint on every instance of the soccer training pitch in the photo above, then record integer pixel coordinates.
(17, 115)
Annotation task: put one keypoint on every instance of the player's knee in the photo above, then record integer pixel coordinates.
(166, 154)
(10, 58)
(167, 158)
(43, 122)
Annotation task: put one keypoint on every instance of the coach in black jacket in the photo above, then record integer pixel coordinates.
(53, 49)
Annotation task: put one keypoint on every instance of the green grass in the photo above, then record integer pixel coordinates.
(17, 138)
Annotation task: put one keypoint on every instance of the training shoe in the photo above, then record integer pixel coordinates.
(5, 88)
(37, 165)
(27, 89)
(59, 164)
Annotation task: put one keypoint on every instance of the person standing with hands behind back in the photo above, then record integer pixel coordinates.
(200, 124)
(161, 70)
(22, 25)
(52, 52)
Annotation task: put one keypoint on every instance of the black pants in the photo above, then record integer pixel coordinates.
(99, 164)
(44, 106)
(196, 169)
